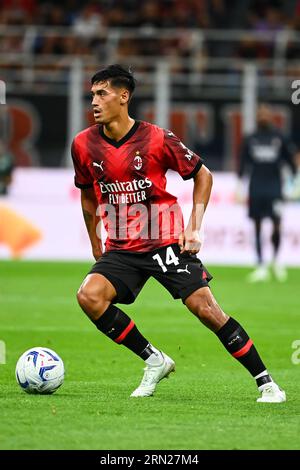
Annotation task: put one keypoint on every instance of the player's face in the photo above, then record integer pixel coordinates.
(264, 115)
(107, 102)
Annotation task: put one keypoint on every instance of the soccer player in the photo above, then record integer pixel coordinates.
(120, 166)
(265, 152)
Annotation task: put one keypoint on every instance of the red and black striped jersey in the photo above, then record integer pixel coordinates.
(129, 179)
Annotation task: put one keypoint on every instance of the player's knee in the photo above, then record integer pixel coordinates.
(204, 306)
(92, 300)
(201, 306)
(210, 314)
(204, 310)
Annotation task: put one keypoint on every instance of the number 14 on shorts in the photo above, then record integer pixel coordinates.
(171, 258)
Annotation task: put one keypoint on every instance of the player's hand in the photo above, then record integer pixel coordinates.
(189, 242)
(97, 253)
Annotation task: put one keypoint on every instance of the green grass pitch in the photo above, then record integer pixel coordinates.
(209, 403)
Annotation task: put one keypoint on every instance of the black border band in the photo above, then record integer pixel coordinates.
(83, 186)
(195, 170)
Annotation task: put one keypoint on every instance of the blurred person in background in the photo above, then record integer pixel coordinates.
(264, 153)
(6, 169)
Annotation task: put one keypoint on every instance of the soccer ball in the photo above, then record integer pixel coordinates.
(40, 370)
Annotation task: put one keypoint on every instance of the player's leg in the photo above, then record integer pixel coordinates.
(185, 277)
(261, 273)
(257, 225)
(95, 297)
(235, 339)
(279, 270)
(276, 235)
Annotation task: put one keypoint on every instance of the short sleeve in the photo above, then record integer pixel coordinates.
(179, 158)
(83, 178)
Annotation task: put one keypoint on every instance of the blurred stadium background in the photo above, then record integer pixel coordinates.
(202, 66)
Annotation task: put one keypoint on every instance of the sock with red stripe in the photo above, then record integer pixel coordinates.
(240, 346)
(115, 324)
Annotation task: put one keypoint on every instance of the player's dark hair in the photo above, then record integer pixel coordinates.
(117, 75)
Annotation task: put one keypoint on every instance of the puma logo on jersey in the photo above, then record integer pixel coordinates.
(184, 270)
(99, 165)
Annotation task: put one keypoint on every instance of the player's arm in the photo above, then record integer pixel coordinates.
(89, 206)
(190, 241)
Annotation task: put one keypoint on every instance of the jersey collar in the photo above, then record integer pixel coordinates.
(117, 144)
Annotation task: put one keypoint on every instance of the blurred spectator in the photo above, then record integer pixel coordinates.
(271, 21)
(17, 12)
(6, 169)
(89, 22)
(149, 16)
(218, 12)
(293, 46)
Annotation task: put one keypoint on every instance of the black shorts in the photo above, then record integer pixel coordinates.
(265, 206)
(180, 274)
